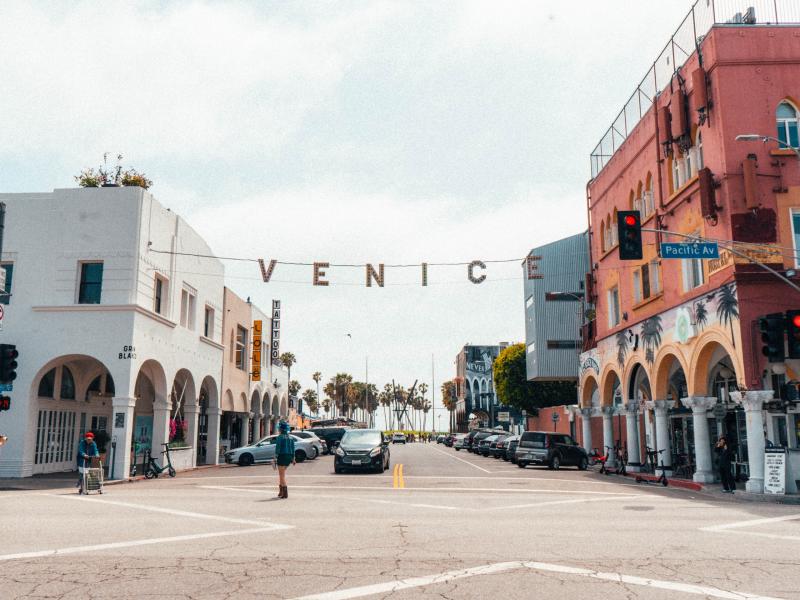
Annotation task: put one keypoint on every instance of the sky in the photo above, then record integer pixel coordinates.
(340, 132)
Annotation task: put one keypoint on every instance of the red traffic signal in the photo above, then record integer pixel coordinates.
(630, 220)
(793, 331)
(629, 234)
(5, 403)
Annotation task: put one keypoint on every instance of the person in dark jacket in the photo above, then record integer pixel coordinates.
(284, 456)
(725, 465)
(86, 449)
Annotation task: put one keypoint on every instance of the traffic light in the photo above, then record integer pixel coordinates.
(772, 328)
(793, 332)
(5, 403)
(629, 234)
(8, 363)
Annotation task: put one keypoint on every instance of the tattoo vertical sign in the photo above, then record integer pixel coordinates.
(256, 363)
(275, 337)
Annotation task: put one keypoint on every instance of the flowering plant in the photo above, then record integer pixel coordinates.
(112, 176)
(90, 178)
(177, 429)
(132, 177)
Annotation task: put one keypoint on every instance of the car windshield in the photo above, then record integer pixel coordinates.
(372, 438)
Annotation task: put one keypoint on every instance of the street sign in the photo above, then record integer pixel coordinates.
(503, 417)
(6, 387)
(775, 471)
(693, 250)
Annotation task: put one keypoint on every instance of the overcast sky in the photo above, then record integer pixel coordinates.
(396, 132)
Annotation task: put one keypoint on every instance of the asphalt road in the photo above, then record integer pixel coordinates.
(444, 525)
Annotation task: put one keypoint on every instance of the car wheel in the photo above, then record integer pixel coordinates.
(555, 463)
(457, 449)
(583, 464)
(521, 465)
(299, 455)
(337, 470)
(316, 453)
(245, 460)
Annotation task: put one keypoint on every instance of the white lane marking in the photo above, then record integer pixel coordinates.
(171, 511)
(403, 584)
(462, 460)
(129, 544)
(774, 536)
(554, 502)
(373, 500)
(750, 523)
(441, 489)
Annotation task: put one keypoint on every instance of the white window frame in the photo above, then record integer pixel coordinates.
(240, 348)
(655, 277)
(160, 310)
(637, 285)
(188, 307)
(690, 267)
(208, 318)
(613, 307)
(784, 122)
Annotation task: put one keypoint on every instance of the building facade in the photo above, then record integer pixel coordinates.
(476, 404)
(676, 345)
(555, 303)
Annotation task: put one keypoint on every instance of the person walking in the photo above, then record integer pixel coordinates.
(284, 456)
(725, 464)
(86, 450)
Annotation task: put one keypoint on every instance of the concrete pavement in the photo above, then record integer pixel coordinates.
(448, 524)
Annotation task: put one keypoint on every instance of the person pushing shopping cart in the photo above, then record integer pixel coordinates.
(86, 450)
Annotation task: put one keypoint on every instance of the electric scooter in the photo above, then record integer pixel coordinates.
(152, 469)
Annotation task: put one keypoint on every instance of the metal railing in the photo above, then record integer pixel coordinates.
(703, 15)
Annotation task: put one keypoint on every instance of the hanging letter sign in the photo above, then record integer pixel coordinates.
(256, 363)
(275, 340)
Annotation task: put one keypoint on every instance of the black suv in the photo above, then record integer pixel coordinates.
(330, 435)
(552, 449)
(362, 449)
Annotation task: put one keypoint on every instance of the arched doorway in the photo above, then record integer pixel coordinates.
(639, 395)
(255, 422)
(73, 394)
(150, 413)
(208, 401)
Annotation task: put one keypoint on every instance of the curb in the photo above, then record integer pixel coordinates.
(142, 477)
(677, 483)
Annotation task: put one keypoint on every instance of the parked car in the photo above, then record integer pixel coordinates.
(399, 438)
(440, 439)
(329, 435)
(511, 443)
(498, 447)
(460, 441)
(318, 444)
(476, 439)
(362, 449)
(264, 451)
(552, 449)
(484, 446)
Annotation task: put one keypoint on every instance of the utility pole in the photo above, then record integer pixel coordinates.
(433, 396)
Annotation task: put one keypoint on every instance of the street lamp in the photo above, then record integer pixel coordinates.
(754, 137)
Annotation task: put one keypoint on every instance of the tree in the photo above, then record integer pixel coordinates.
(317, 377)
(337, 390)
(449, 395)
(287, 359)
(312, 400)
(514, 389)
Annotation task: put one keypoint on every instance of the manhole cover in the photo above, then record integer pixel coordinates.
(639, 508)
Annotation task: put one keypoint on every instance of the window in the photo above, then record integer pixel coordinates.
(47, 384)
(188, 307)
(786, 117)
(160, 295)
(647, 197)
(241, 346)
(655, 277)
(698, 150)
(67, 384)
(529, 301)
(641, 284)
(5, 293)
(613, 307)
(531, 347)
(612, 225)
(208, 323)
(692, 272)
(91, 283)
(562, 344)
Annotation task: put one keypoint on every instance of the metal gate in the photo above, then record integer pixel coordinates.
(56, 436)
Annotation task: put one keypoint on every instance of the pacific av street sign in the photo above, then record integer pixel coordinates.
(690, 250)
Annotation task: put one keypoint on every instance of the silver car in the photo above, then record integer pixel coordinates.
(264, 451)
(313, 438)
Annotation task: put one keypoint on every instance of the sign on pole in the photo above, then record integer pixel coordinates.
(275, 338)
(775, 471)
(256, 362)
(700, 250)
(503, 417)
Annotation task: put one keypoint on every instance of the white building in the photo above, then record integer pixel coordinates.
(113, 334)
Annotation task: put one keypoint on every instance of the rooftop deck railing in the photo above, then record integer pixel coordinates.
(703, 15)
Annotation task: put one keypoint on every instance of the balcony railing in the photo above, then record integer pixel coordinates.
(703, 15)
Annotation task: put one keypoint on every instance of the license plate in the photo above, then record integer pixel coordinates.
(356, 461)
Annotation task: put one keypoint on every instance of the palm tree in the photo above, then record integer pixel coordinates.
(317, 377)
(287, 359)
(311, 399)
(651, 337)
(700, 315)
(728, 307)
(622, 347)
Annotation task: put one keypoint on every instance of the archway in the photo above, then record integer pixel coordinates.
(590, 393)
(255, 422)
(183, 403)
(284, 408)
(207, 429)
(150, 413)
(72, 395)
(639, 395)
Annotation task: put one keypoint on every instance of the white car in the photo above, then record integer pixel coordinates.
(398, 438)
(312, 437)
(264, 451)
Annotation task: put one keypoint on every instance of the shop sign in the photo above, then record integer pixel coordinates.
(275, 337)
(128, 353)
(775, 471)
(503, 417)
(255, 365)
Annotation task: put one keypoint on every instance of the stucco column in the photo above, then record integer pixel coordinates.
(244, 432)
(608, 435)
(753, 404)
(212, 435)
(586, 427)
(256, 427)
(122, 414)
(663, 442)
(632, 432)
(700, 405)
(160, 431)
(191, 414)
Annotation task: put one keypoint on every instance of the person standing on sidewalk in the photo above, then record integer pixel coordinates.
(725, 464)
(284, 456)
(86, 450)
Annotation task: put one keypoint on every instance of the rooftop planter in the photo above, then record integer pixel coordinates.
(116, 177)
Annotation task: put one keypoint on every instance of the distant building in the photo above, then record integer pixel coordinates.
(555, 295)
(477, 404)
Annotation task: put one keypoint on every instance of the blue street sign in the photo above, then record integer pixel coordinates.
(691, 250)
(6, 387)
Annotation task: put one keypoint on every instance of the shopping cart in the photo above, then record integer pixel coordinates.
(92, 480)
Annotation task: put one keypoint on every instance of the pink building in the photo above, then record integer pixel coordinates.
(676, 346)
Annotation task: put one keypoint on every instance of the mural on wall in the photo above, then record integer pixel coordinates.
(681, 325)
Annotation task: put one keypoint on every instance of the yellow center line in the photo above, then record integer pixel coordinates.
(394, 475)
(400, 478)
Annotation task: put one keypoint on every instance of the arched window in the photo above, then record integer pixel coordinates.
(67, 384)
(110, 389)
(786, 117)
(47, 384)
(603, 235)
(698, 150)
(647, 196)
(613, 226)
(676, 174)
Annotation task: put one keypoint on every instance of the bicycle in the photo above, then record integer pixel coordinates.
(602, 459)
(621, 452)
(152, 469)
